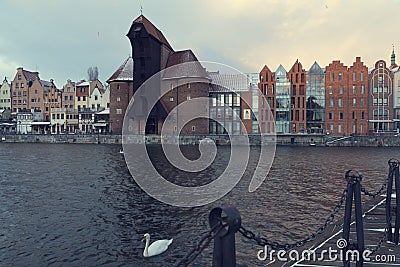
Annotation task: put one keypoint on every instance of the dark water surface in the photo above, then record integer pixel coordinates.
(77, 205)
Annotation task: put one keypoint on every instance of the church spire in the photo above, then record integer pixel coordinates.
(393, 58)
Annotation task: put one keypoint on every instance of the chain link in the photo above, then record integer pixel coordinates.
(383, 239)
(263, 241)
(383, 187)
(201, 245)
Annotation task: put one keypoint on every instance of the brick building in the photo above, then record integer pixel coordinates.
(121, 92)
(298, 83)
(151, 53)
(346, 98)
(357, 121)
(267, 85)
(20, 89)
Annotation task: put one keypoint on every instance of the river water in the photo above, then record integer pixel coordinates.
(78, 205)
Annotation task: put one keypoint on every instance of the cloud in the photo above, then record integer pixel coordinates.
(7, 68)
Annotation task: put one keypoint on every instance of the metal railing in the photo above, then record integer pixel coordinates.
(226, 222)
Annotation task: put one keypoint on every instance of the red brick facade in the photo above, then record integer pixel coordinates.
(267, 86)
(346, 98)
(298, 83)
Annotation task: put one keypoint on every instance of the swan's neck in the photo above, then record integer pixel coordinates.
(146, 248)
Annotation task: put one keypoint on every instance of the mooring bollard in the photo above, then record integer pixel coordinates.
(224, 254)
(353, 190)
(393, 171)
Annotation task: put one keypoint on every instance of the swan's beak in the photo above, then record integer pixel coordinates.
(143, 239)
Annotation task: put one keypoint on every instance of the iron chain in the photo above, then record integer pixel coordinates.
(383, 239)
(201, 245)
(383, 187)
(263, 241)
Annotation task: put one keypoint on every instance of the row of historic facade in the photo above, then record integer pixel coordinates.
(336, 99)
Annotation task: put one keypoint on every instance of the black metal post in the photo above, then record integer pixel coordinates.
(397, 224)
(392, 166)
(353, 191)
(224, 254)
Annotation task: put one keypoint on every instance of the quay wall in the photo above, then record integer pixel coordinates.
(287, 139)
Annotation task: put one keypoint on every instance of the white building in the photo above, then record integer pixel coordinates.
(24, 122)
(5, 95)
(96, 102)
(58, 120)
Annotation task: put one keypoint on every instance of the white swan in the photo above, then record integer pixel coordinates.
(157, 247)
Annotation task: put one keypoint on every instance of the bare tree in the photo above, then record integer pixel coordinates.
(93, 73)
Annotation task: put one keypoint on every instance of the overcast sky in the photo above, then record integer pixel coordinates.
(62, 38)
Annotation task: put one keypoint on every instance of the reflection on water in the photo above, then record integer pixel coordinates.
(77, 205)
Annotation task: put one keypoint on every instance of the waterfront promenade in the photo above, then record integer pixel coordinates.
(284, 139)
(386, 254)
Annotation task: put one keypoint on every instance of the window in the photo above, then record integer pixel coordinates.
(188, 97)
(96, 97)
(361, 128)
(331, 127)
(330, 115)
(362, 89)
(62, 116)
(16, 85)
(340, 76)
(53, 116)
(93, 106)
(22, 85)
(354, 102)
(380, 78)
(119, 87)
(118, 99)
(71, 98)
(119, 111)
(193, 128)
(19, 76)
(341, 116)
(82, 89)
(330, 90)
(339, 128)
(353, 115)
(188, 85)
(332, 76)
(354, 76)
(362, 115)
(362, 76)
(83, 98)
(362, 102)
(340, 103)
(66, 98)
(332, 102)
(354, 89)
(79, 98)
(171, 99)
(341, 90)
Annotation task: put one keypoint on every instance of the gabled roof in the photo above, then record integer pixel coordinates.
(152, 30)
(30, 75)
(316, 69)
(45, 83)
(193, 69)
(124, 72)
(82, 83)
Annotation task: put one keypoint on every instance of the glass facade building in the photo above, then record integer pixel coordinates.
(315, 100)
(282, 101)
